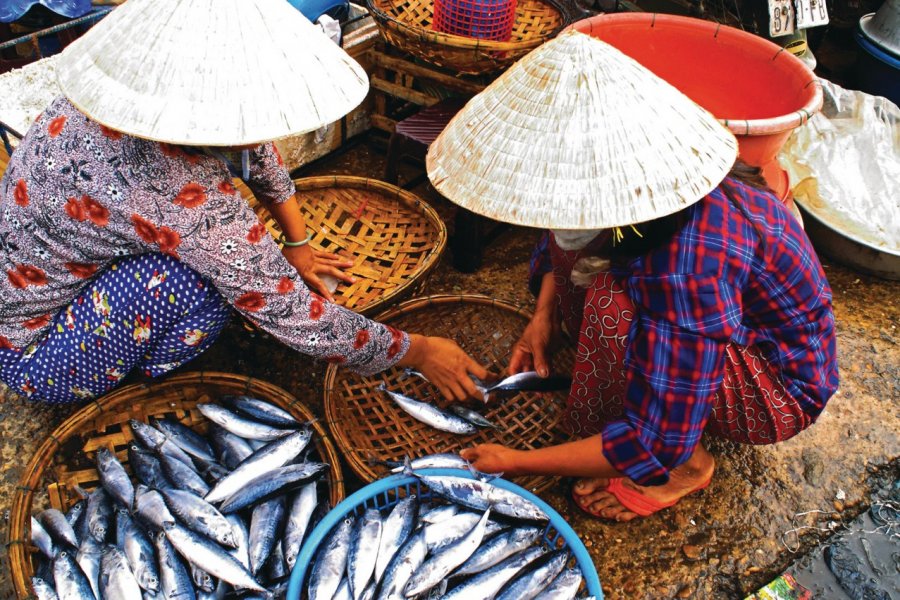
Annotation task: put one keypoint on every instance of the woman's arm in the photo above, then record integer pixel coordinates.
(310, 263)
(530, 353)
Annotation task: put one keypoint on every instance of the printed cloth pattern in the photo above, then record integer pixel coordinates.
(148, 311)
(77, 196)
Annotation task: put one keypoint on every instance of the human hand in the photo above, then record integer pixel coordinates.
(530, 353)
(313, 264)
(493, 458)
(445, 365)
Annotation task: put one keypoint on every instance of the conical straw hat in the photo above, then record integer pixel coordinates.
(210, 72)
(576, 135)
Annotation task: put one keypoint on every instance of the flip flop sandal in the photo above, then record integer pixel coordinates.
(631, 499)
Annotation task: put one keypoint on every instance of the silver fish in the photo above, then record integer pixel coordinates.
(174, 579)
(363, 553)
(439, 513)
(529, 582)
(210, 557)
(530, 381)
(564, 587)
(485, 585)
(273, 483)
(450, 530)
(147, 468)
(211, 470)
(328, 568)
(435, 569)
(479, 495)
(230, 449)
(430, 414)
(75, 517)
(150, 507)
(68, 579)
(182, 476)
(241, 551)
(397, 527)
(43, 590)
(99, 514)
(123, 518)
(268, 458)
(203, 581)
(55, 523)
(343, 591)
(433, 461)
(114, 478)
(255, 444)
(299, 515)
(141, 558)
(116, 579)
(88, 558)
(275, 565)
(261, 411)
(498, 548)
(156, 440)
(42, 539)
(471, 416)
(401, 567)
(199, 515)
(185, 438)
(240, 426)
(265, 522)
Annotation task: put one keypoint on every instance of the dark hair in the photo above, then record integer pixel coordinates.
(658, 231)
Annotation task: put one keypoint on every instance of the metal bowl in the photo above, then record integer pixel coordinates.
(849, 243)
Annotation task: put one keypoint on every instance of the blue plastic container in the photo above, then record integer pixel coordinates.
(385, 493)
(313, 9)
(878, 72)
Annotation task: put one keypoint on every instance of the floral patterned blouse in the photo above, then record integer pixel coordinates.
(77, 196)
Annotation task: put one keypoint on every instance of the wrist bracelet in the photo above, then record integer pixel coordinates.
(285, 241)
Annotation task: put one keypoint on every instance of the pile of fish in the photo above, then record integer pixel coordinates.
(462, 420)
(204, 517)
(472, 541)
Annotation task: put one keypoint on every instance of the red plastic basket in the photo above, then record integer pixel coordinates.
(483, 19)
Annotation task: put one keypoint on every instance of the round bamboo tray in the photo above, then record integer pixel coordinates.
(394, 237)
(368, 427)
(64, 460)
(406, 24)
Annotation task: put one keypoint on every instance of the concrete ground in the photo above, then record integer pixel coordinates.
(722, 543)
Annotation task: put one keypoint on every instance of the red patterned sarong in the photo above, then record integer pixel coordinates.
(751, 407)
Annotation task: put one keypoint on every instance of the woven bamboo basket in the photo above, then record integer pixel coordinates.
(65, 459)
(394, 237)
(368, 427)
(406, 24)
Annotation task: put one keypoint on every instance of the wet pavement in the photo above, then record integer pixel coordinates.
(725, 542)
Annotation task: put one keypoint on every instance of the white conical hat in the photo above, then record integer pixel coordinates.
(210, 72)
(576, 135)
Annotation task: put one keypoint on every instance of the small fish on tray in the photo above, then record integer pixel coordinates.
(527, 381)
(430, 414)
(197, 519)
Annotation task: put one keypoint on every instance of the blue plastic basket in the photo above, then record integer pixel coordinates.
(386, 492)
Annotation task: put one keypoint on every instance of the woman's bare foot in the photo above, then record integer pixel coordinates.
(591, 494)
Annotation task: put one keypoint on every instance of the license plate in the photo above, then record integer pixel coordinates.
(781, 18)
(811, 13)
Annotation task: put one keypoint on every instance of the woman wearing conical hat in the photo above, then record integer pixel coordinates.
(123, 242)
(696, 300)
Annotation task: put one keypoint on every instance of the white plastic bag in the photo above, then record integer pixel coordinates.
(845, 163)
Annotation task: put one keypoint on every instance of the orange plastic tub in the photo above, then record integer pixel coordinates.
(757, 89)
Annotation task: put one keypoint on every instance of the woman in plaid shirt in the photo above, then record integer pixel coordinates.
(695, 297)
(718, 319)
